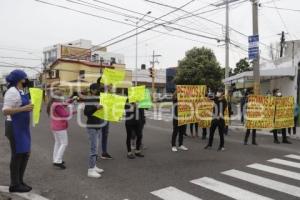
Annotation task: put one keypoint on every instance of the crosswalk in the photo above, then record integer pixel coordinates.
(235, 192)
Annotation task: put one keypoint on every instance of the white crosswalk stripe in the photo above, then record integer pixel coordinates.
(285, 162)
(161, 116)
(234, 192)
(172, 193)
(296, 157)
(277, 171)
(264, 182)
(228, 190)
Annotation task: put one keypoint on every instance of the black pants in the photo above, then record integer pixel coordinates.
(253, 135)
(283, 132)
(18, 162)
(204, 133)
(220, 124)
(130, 130)
(192, 128)
(294, 128)
(178, 130)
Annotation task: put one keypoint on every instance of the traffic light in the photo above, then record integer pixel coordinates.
(151, 71)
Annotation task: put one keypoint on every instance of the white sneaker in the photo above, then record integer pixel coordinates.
(174, 149)
(98, 170)
(93, 174)
(183, 148)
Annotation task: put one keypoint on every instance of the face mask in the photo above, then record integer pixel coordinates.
(219, 94)
(279, 94)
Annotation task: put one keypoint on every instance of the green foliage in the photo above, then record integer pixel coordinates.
(242, 66)
(199, 67)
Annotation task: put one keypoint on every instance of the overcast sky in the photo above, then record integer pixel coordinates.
(27, 26)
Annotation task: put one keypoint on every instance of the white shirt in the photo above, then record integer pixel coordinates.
(12, 99)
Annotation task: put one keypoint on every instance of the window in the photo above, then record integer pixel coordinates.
(81, 74)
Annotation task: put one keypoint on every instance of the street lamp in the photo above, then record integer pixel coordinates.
(136, 41)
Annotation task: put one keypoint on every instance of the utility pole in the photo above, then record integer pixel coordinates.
(282, 43)
(153, 62)
(256, 70)
(227, 42)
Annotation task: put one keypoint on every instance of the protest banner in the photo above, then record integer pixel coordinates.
(284, 112)
(147, 102)
(188, 96)
(260, 112)
(112, 76)
(36, 95)
(113, 107)
(136, 94)
(204, 112)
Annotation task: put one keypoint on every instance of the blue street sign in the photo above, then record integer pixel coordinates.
(253, 49)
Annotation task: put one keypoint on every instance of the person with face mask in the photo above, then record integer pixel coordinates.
(218, 120)
(277, 93)
(59, 112)
(94, 126)
(17, 108)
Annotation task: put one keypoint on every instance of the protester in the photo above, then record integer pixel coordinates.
(135, 120)
(218, 120)
(196, 129)
(177, 130)
(277, 93)
(59, 111)
(249, 92)
(94, 126)
(296, 115)
(204, 133)
(17, 108)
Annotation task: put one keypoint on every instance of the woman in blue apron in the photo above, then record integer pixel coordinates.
(17, 108)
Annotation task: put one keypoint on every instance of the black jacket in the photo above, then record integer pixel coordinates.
(221, 106)
(89, 109)
(134, 115)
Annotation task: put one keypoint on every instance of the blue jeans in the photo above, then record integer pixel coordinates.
(94, 140)
(104, 138)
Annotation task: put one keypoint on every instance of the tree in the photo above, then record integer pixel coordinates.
(199, 67)
(242, 66)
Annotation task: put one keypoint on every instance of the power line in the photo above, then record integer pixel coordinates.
(19, 58)
(286, 9)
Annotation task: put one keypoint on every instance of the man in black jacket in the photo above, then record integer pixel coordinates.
(218, 119)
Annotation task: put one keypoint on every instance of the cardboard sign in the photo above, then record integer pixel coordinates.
(284, 113)
(36, 95)
(113, 107)
(112, 76)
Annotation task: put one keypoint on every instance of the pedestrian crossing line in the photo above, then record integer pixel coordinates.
(228, 190)
(277, 171)
(285, 162)
(172, 193)
(296, 157)
(264, 182)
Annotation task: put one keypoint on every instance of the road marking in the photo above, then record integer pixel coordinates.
(29, 196)
(264, 182)
(228, 190)
(285, 162)
(293, 156)
(172, 193)
(277, 171)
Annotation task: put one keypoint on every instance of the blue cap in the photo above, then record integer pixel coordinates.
(15, 76)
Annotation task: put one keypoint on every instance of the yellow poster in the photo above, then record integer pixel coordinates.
(113, 107)
(204, 112)
(260, 112)
(36, 95)
(136, 94)
(188, 96)
(284, 112)
(112, 76)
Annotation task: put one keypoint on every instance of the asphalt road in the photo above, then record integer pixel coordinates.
(160, 169)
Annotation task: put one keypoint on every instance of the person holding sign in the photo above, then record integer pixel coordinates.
(248, 131)
(59, 113)
(94, 127)
(218, 121)
(177, 130)
(17, 108)
(277, 93)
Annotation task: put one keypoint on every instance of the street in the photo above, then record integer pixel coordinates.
(162, 173)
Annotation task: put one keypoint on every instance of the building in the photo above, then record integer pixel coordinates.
(281, 73)
(170, 76)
